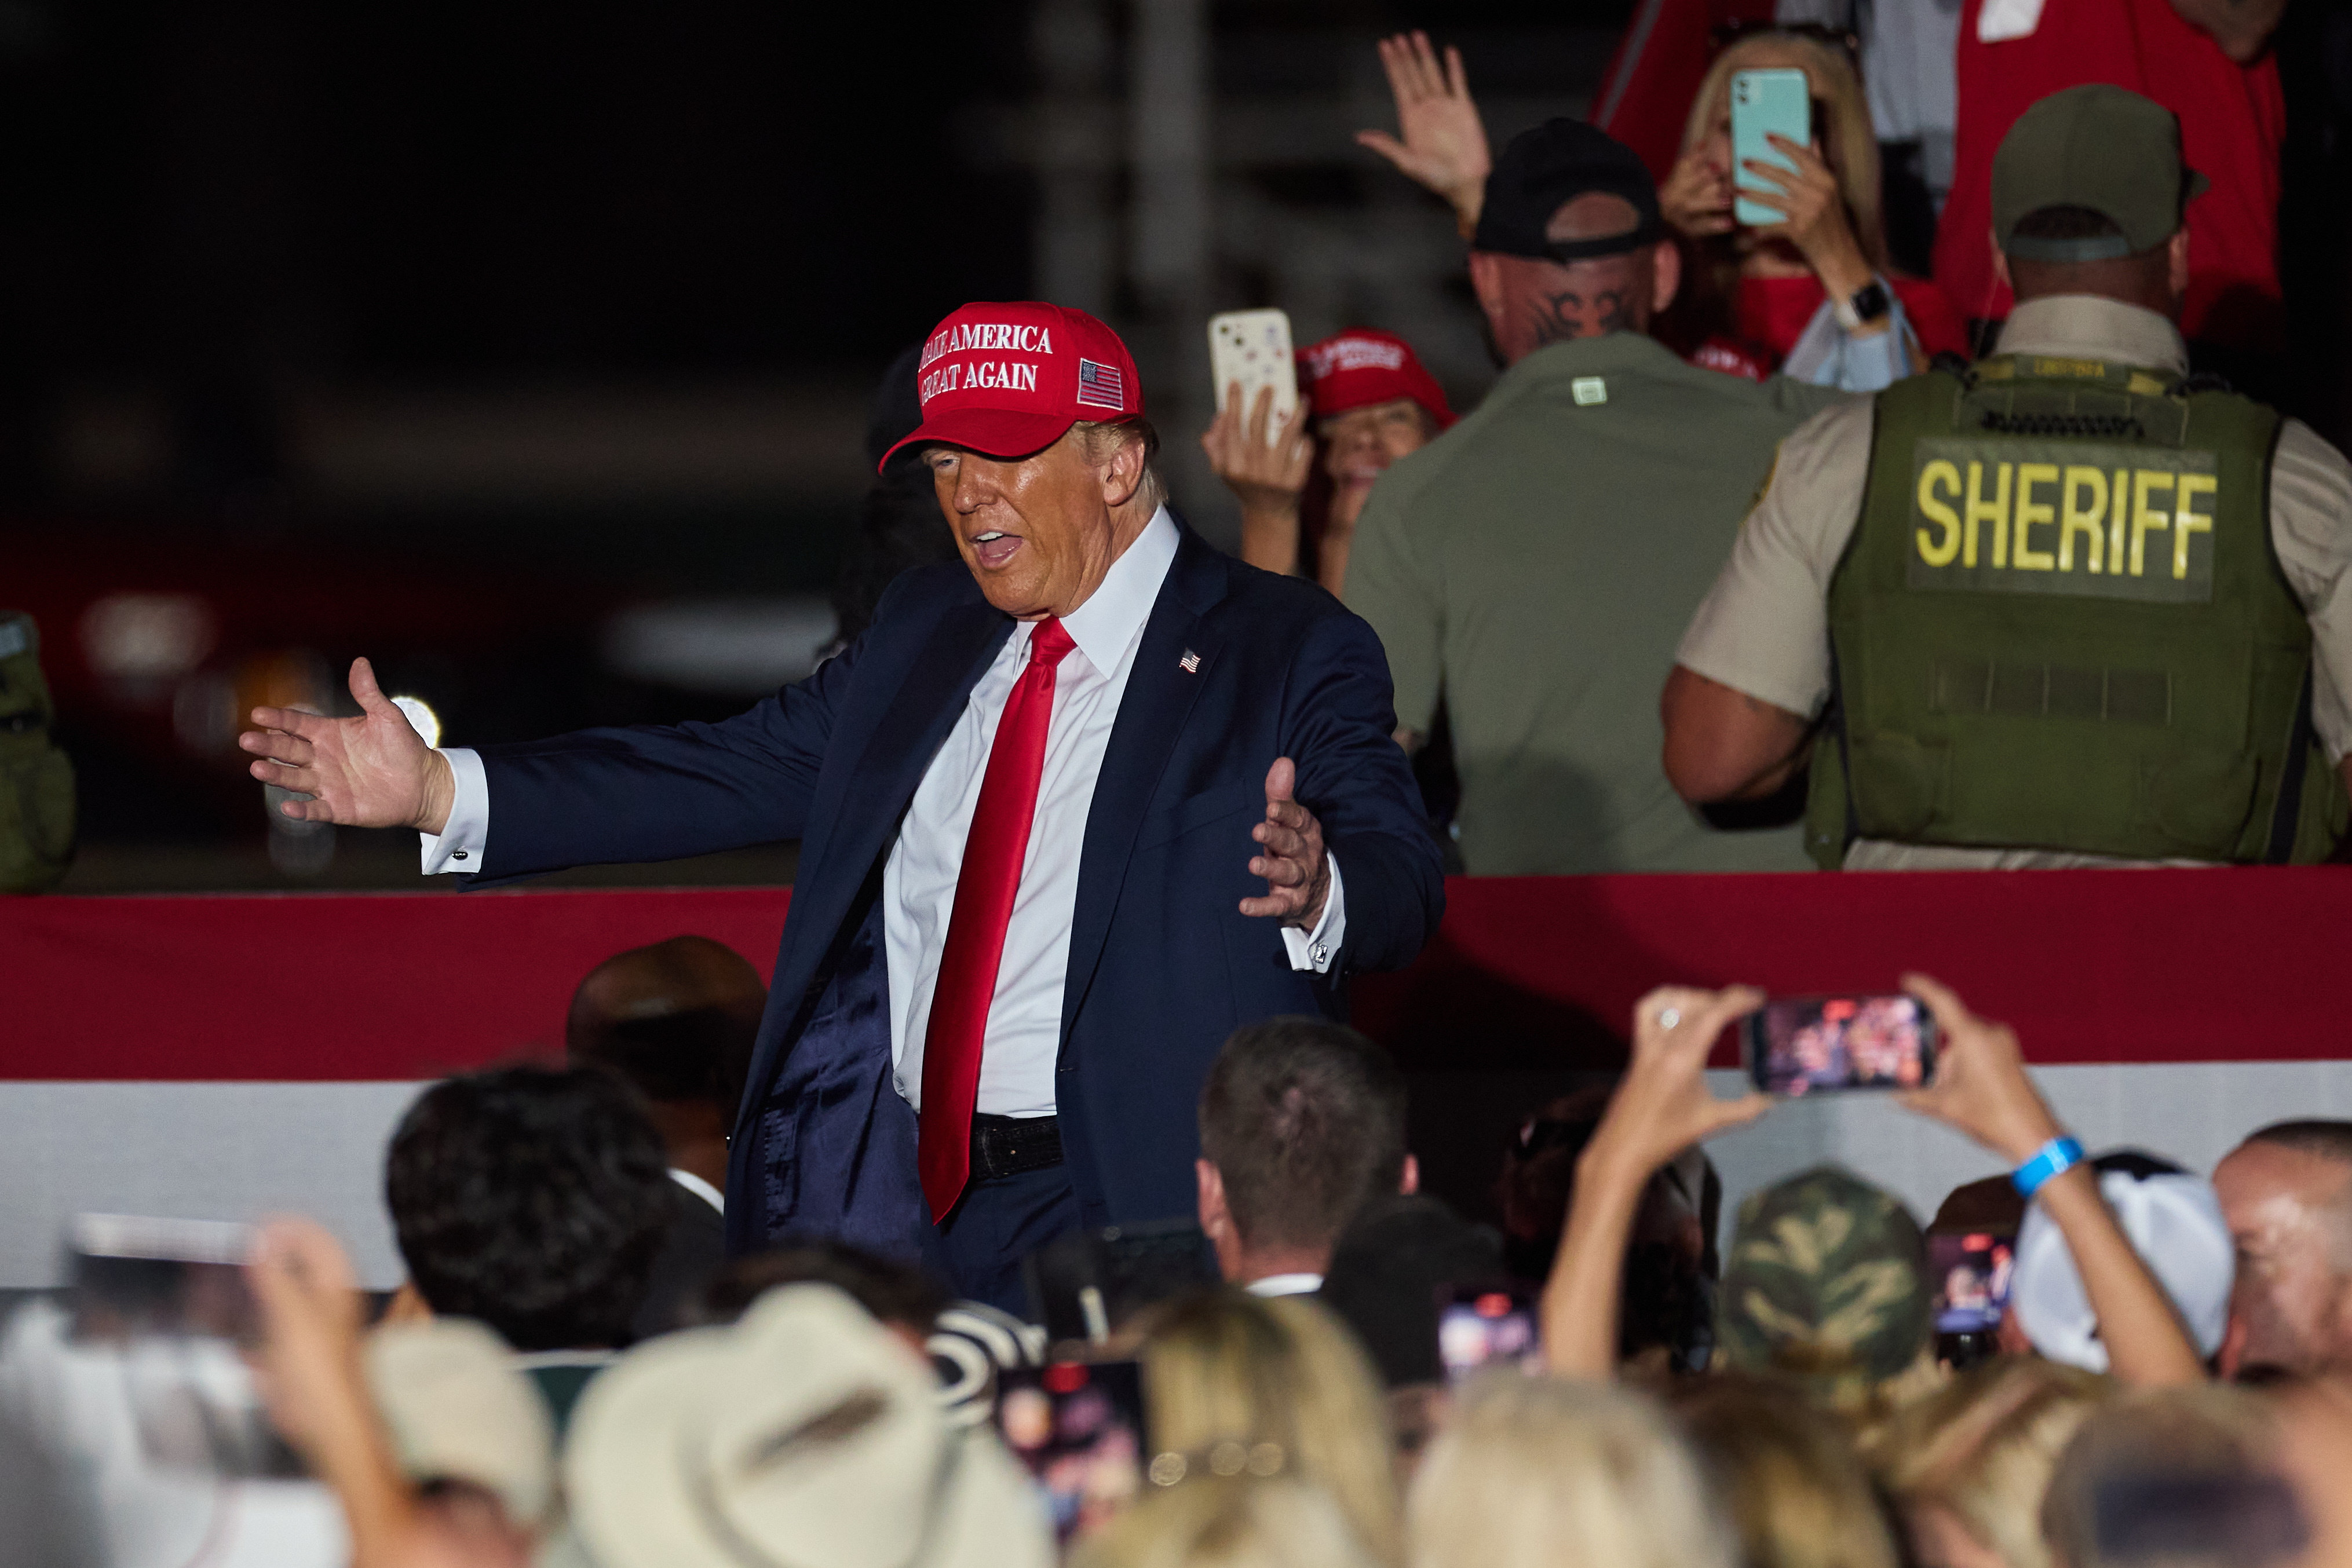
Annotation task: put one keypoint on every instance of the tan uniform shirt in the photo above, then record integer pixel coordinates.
(1764, 628)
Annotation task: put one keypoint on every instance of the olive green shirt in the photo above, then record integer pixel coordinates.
(1535, 565)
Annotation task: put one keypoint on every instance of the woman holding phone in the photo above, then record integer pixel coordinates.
(1809, 296)
(1365, 400)
(1754, 299)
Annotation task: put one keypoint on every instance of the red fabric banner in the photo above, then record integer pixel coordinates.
(2091, 966)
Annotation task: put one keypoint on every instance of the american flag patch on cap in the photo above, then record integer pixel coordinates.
(1100, 386)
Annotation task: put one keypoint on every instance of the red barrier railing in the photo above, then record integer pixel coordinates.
(2114, 965)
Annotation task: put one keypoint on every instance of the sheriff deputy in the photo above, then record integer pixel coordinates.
(2066, 606)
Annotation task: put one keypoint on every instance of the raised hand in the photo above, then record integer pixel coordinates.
(1662, 1105)
(1444, 144)
(1266, 466)
(1814, 219)
(1297, 870)
(1264, 463)
(1981, 1086)
(1695, 199)
(371, 771)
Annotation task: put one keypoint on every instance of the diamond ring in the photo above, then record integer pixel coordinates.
(1669, 1017)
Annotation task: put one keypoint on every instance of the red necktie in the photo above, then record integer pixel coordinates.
(991, 875)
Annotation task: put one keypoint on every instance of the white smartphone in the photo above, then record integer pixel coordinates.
(1251, 349)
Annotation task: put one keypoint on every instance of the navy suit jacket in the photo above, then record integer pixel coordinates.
(1163, 966)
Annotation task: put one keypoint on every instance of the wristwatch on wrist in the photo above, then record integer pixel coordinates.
(1868, 304)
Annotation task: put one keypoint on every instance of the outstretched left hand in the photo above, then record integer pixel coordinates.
(1297, 869)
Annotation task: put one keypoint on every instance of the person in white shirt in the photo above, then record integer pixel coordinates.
(1302, 1125)
(1067, 814)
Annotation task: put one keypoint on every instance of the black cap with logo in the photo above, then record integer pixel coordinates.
(1546, 168)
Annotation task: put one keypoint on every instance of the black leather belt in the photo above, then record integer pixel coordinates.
(1012, 1146)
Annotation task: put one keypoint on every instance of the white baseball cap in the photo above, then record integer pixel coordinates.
(805, 1433)
(2174, 1221)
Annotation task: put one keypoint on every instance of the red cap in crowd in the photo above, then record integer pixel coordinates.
(1008, 379)
(1361, 367)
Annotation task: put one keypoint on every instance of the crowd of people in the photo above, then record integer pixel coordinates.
(570, 1374)
(1736, 566)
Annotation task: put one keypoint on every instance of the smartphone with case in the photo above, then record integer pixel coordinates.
(1251, 349)
(1764, 103)
(1816, 1045)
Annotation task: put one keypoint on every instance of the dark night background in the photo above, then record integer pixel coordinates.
(458, 336)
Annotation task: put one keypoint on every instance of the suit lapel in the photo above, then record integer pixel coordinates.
(1160, 691)
(875, 796)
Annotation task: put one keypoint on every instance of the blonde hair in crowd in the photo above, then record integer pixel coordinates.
(1240, 1522)
(1983, 1447)
(1847, 139)
(1538, 1472)
(1228, 1368)
(1786, 1473)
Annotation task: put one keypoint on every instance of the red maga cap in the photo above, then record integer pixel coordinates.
(1361, 367)
(1009, 380)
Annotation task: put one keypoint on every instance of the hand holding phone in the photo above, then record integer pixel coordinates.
(1765, 103)
(1664, 1105)
(1981, 1086)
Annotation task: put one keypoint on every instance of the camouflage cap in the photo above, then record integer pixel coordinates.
(1826, 1280)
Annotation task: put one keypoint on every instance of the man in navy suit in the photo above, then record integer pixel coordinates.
(1069, 815)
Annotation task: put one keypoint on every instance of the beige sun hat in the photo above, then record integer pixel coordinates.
(458, 1410)
(802, 1437)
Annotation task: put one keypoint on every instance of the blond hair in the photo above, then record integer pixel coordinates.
(1240, 1521)
(1848, 139)
(1786, 1473)
(1982, 1449)
(1280, 1377)
(1547, 1473)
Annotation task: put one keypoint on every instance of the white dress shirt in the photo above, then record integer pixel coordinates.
(1286, 1285)
(919, 881)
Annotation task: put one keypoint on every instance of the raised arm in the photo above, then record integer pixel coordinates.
(1265, 466)
(1444, 141)
(1661, 1108)
(1982, 1089)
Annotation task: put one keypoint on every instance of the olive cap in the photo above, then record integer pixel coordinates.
(2100, 147)
(1826, 1282)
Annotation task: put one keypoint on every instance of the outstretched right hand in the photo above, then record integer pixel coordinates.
(371, 771)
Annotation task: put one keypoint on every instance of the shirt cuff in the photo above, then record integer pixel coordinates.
(459, 845)
(1311, 952)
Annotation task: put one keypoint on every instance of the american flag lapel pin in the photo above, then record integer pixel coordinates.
(1189, 663)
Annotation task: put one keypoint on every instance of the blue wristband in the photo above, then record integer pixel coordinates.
(2057, 1156)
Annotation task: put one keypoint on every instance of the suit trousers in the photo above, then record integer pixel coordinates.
(1000, 1221)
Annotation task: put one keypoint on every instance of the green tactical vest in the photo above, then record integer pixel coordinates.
(36, 782)
(2060, 624)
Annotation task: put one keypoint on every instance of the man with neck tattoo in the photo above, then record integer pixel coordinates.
(1532, 565)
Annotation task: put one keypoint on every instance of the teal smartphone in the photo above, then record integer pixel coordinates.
(1766, 103)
